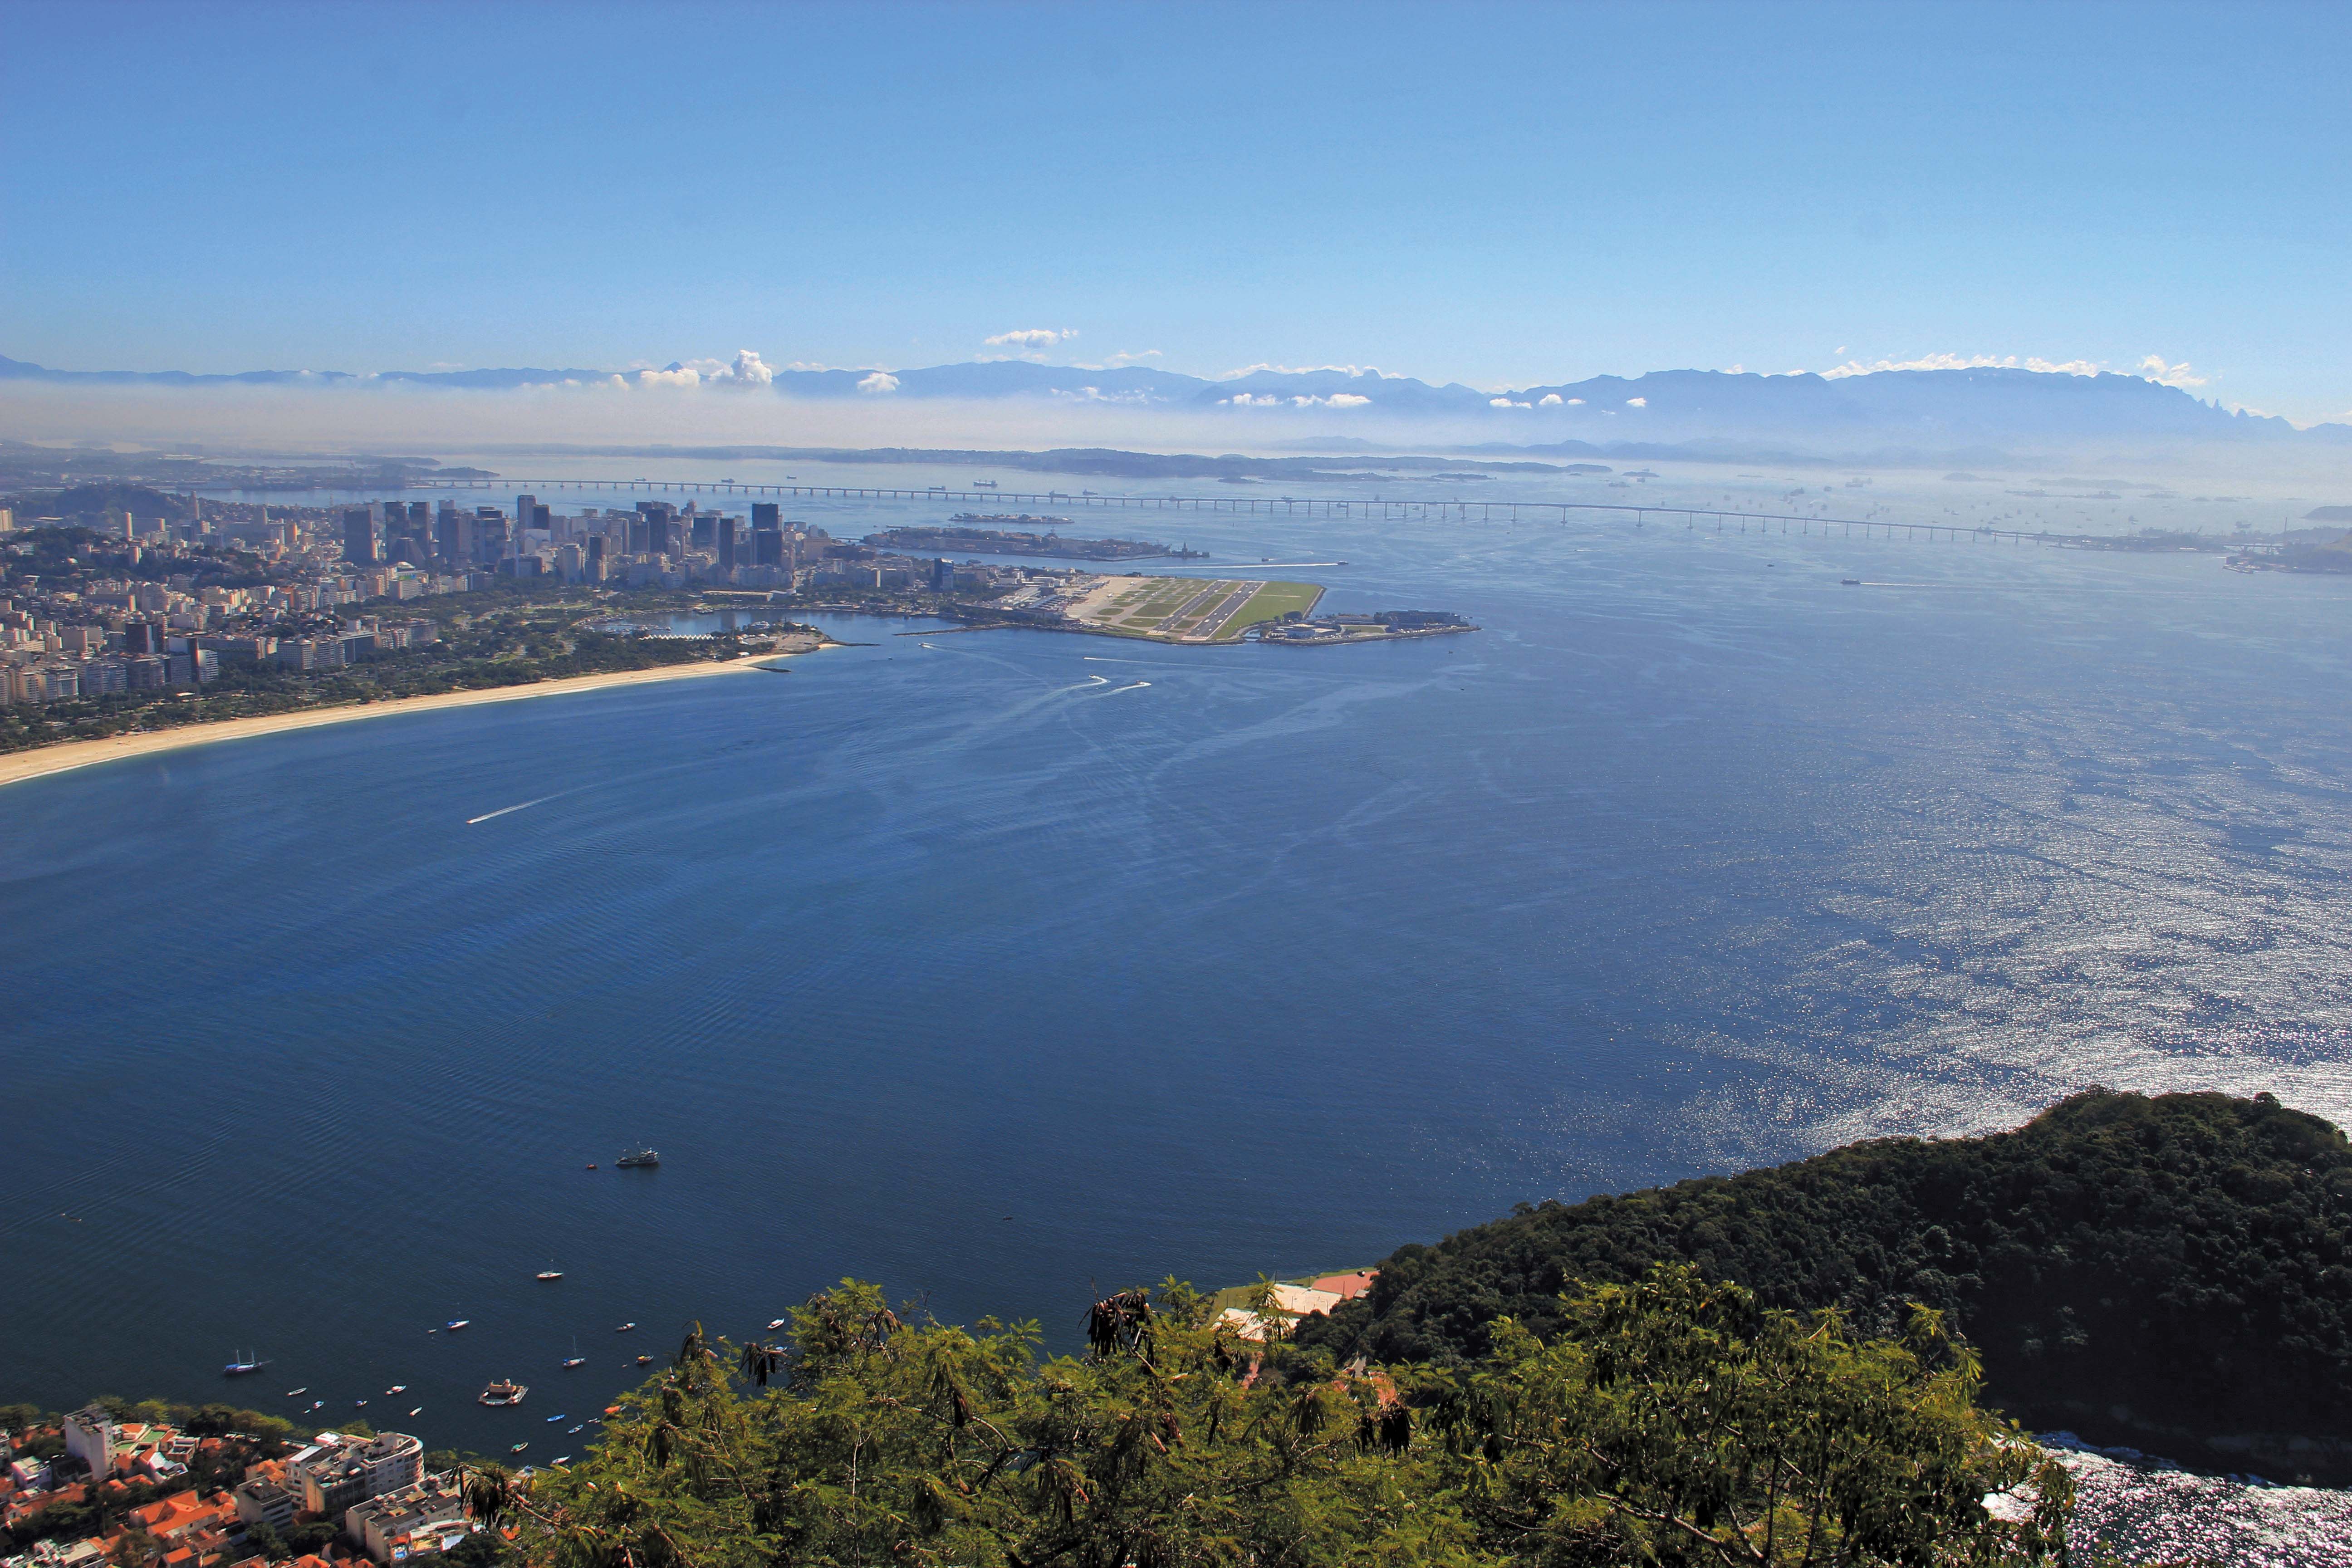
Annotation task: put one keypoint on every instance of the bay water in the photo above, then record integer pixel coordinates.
(1006, 968)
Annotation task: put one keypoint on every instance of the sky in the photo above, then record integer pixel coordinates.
(1495, 195)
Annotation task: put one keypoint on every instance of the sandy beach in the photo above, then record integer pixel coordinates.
(40, 762)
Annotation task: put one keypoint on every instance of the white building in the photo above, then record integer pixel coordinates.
(89, 1437)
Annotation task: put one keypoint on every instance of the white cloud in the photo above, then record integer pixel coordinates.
(1507, 403)
(1575, 402)
(1958, 361)
(748, 370)
(1637, 403)
(1268, 400)
(1551, 400)
(1123, 357)
(881, 381)
(2154, 369)
(1030, 338)
(1097, 394)
(1372, 371)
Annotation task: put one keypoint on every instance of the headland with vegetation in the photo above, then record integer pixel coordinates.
(1823, 1362)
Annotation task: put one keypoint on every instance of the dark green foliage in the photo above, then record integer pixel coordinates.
(2187, 1256)
(262, 1540)
(1673, 1422)
(312, 1536)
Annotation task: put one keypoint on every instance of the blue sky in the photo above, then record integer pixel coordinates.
(1495, 195)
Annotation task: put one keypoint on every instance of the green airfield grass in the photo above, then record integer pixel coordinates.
(1138, 612)
(1271, 602)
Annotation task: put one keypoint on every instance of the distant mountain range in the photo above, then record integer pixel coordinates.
(1941, 411)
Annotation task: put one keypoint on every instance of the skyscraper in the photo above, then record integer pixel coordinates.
(358, 536)
(726, 544)
(766, 514)
(660, 519)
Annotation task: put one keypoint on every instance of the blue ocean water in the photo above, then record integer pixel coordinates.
(1002, 967)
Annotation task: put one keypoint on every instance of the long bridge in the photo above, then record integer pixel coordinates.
(1692, 519)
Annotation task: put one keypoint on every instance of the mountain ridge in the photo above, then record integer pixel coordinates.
(1927, 409)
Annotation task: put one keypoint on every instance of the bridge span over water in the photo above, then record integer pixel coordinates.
(1691, 519)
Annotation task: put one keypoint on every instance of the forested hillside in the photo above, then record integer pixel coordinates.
(1668, 1421)
(2181, 1264)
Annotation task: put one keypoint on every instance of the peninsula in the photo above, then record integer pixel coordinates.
(969, 535)
(134, 620)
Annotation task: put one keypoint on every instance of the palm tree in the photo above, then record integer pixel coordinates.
(761, 1361)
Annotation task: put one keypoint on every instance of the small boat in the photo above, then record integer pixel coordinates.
(357, 1403)
(318, 1405)
(641, 1158)
(453, 1324)
(548, 1274)
(775, 1324)
(503, 1392)
(560, 1460)
(576, 1428)
(645, 1361)
(591, 1164)
(397, 1388)
(243, 1364)
(518, 1448)
(297, 1393)
(418, 1411)
(624, 1328)
(553, 1419)
(1848, 582)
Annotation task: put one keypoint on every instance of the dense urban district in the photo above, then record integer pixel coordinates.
(117, 1485)
(125, 609)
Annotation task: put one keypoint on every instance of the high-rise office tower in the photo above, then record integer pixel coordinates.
(489, 534)
(660, 526)
(448, 538)
(766, 514)
(726, 526)
(358, 536)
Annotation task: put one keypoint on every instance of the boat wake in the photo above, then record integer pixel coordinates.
(526, 805)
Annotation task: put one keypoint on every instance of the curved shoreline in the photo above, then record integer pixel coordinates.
(15, 767)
